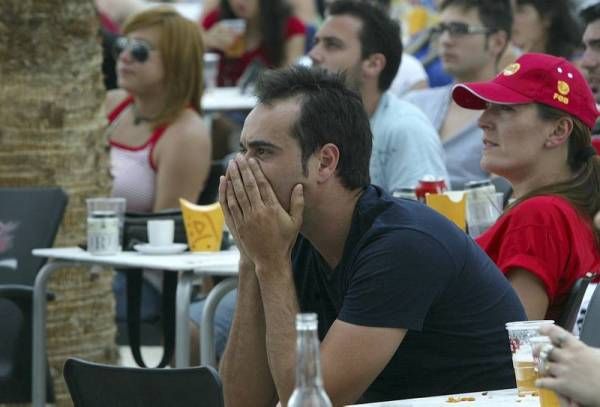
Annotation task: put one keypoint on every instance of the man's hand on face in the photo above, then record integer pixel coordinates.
(223, 182)
(264, 231)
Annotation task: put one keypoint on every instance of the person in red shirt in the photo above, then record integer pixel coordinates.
(271, 37)
(537, 117)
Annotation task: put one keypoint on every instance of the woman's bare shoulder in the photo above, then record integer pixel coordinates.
(190, 126)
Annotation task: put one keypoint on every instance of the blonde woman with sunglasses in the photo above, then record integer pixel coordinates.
(160, 149)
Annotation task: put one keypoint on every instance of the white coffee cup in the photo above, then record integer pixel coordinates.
(161, 232)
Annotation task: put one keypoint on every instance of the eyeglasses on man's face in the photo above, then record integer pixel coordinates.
(139, 49)
(458, 29)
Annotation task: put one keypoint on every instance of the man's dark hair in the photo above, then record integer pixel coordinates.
(329, 113)
(496, 15)
(379, 34)
(591, 13)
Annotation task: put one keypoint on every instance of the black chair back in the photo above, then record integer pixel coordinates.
(97, 385)
(210, 193)
(590, 331)
(570, 312)
(29, 219)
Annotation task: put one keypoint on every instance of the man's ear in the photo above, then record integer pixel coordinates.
(373, 65)
(563, 128)
(329, 157)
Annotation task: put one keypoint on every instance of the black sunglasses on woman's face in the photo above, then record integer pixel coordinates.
(139, 49)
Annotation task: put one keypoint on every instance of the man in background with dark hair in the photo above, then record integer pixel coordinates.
(472, 36)
(359, 39)
(590, 60)
(407, 304)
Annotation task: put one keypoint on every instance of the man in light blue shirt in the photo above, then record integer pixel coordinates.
(361, 40)
(472, 37)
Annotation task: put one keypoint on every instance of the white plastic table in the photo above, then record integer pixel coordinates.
(226, 99)
(187, 265)
(496, 398)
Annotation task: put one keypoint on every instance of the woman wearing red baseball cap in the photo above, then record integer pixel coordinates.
(536, 122)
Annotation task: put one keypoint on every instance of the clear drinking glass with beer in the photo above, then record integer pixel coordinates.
(548, 398)
(519, 334)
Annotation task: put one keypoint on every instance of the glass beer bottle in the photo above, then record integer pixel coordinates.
(309, 391)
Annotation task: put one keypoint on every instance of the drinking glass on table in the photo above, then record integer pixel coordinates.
(519, 334)
(109, 204)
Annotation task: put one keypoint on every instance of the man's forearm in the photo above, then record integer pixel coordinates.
(280, 306)
(244, 369)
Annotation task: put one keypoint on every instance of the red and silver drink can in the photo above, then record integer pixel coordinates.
(429, 185)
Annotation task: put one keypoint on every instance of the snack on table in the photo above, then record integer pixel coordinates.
(458, 399)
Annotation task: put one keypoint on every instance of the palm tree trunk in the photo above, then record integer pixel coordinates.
(51, 134)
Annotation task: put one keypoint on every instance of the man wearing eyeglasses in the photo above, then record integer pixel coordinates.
(472, 35)
(590, 60)
(361, 40)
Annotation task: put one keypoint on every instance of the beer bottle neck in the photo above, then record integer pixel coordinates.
(308, 364)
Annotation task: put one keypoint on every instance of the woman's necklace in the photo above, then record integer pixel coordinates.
(138, 118)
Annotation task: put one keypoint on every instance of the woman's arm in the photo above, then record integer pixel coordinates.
(531, 292)
(182, 157)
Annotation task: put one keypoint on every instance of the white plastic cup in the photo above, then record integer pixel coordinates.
(211, 70)
(161, 232)
(519, 334)
(483, 213)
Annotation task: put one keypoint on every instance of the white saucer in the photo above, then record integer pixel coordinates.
(147, 248)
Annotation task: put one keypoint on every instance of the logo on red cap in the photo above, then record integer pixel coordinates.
(511, 69)
(563, 90)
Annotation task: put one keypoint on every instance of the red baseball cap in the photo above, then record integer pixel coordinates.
(533, 78)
